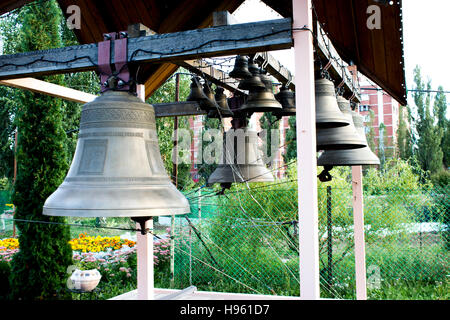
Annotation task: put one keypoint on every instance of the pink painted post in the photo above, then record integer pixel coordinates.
(358, 221)
(306, 150)
(144, 243)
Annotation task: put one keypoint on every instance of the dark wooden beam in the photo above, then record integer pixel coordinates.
(193, 44)
(337, 67)
(178, 109)
(275, 68)
(212, 74)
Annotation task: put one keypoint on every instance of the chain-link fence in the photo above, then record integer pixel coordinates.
(247, 241)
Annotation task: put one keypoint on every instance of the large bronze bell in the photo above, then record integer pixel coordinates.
(353, 157)
(328, 114)
(287, 99)
(117, 170)
(262, 100)
(240, 70)
(254, 81)
(242, 161)
(198, 94)
(340, 138)
(222, 102)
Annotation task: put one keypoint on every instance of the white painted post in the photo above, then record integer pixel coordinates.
(358, 221)
(145, 281)
(306, 151)
(144, 243)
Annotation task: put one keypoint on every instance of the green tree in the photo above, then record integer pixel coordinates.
(9, 32)
(429, 153)
(371, 134)
(440, 110)
(7, 132)
(291, 141)
(404, 142)
(39, 268)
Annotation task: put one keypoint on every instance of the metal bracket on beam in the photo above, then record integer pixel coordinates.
(114, 76)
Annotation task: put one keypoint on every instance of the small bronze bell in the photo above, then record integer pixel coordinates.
(254, 81)
(241, 160)
(240, 70)
(352, 157)
(197, 94)
(208, 91)
(340, 138)
(287, 99)
(224, 109)
(262, 100)
(117, 170)
(328, 114)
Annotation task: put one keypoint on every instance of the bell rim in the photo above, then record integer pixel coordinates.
(224, 168)
(340, 146)
(145, 212)
(323, 161)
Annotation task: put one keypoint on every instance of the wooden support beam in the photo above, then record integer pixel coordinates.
(275, 68)
(50, 89)
(223, 18)
(325, 50)
(185, 45)
(306, 152)
(341, 76)
(211, 74)
(358, 230)
(178, 109)
(171, 109)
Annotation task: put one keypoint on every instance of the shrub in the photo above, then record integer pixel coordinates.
(441, 178)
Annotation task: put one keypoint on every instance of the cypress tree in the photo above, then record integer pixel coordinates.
(291, 141)
(39, 268)
(404, 145)
(371, 134)
(381, 145)
(429, 153)
(440, 110)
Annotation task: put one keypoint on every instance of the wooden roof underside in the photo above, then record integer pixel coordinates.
(378, 54)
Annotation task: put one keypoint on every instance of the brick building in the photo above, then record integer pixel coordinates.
(385, 119)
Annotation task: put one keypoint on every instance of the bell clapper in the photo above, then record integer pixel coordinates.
(142, 221)
(325, 175)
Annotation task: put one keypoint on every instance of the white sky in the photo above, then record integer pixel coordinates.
(426, 28)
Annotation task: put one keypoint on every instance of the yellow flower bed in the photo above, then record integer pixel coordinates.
(9, 244)
(86, 243)
(83, 243)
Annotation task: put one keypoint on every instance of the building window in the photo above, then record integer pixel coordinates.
(364, 107)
